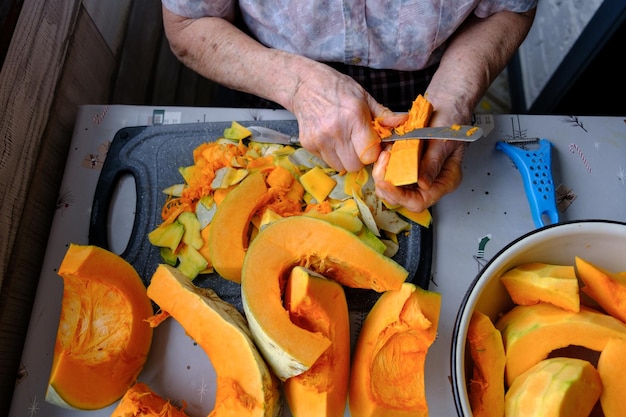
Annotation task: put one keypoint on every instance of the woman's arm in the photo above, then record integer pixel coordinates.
(333, 111)
(474, 57)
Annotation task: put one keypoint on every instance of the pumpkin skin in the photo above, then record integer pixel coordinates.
(103, 339)
(245, 385)
(486, 389)
(536, 282)
(321, 247)
(530, 333)
(228, 239)
(387, 375)
(319, 305)
(612, 370)
(608, 289)
(555, 387)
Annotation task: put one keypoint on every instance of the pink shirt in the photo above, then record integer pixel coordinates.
(402, 35)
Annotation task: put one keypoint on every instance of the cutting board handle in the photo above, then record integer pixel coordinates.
(115, 167)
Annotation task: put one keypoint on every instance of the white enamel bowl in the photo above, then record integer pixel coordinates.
(602, 242)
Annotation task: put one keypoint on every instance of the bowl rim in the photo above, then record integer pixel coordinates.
(458, 334)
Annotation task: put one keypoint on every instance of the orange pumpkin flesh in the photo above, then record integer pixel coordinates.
(486, 389)
(228, 239)
(319, 305)
(245, 385)
(321, 247)
(387, 375)
(403, 166)
(607, 288)
(612, 370)
(555, 387)
(530, 333)
(140, 401)
(103, 340)
(536, 282)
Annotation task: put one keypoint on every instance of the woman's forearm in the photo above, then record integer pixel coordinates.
(474, 57)
(216, 49)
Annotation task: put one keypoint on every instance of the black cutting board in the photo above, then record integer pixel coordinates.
(152, 156)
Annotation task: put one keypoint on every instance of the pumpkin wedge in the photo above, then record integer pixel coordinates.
(536, 282)
(486, 389)
(403, 166)
(555, 387)
(245, 385)
(319, 305)
(387, 376)
(228, 240)
(103, 340)
(530, 333)
(321, 247)
(612, 370)
(607, 288)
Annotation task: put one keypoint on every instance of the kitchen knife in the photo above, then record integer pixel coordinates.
(463, 133)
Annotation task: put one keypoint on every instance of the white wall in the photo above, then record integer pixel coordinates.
(557, 25)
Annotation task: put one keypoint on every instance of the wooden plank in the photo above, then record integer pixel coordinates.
(37, 130)
(166, 75)
(139, 54)
(110, 17)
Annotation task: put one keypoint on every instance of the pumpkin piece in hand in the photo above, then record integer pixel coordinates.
(103, 338)
(141, 401)
(486, 389)
(387, 376)
(403, 165)
(319, 305)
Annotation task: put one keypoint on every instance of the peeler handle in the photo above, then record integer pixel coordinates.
(535, 166)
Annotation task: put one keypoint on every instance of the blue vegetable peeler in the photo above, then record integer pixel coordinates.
(535, 166)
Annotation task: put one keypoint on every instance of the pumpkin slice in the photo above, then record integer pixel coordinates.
(387, 376)
(486, 388)
(555, 387)
(530, 333)
(321, 247)
(608, 289)
(536, 282)
(245, 385)
(141, 401)
(103, 339)
(612, 370)
(404, 162)
(319, 305)
(228, 240)
(403, 166)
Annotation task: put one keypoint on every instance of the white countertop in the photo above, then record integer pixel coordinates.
(471, 225)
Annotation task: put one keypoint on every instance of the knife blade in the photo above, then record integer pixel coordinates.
(465, 133)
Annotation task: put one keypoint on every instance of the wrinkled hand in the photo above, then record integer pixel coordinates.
(440, 173)
(334, 119)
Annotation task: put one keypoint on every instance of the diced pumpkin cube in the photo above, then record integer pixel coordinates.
(317, 183)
